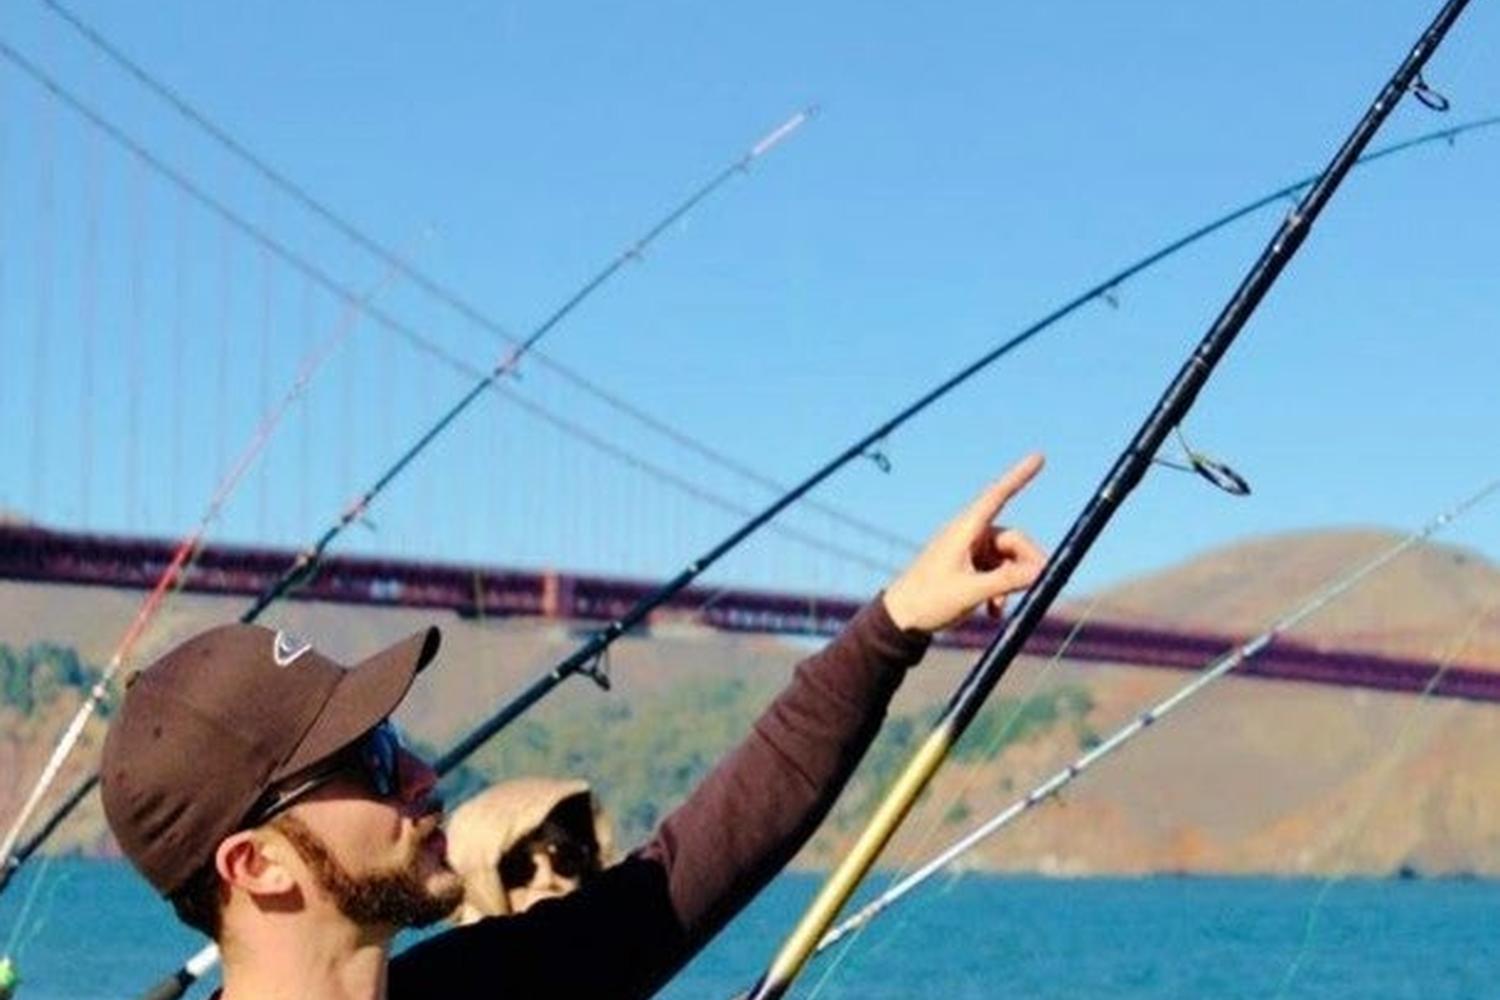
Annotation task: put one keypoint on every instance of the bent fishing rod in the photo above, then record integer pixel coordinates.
(1148, 718)
(1128, 470)
(586, 658)
(306, 561)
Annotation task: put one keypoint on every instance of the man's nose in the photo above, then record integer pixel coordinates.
(418, 778)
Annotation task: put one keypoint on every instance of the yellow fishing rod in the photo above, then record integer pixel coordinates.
(1129, 468)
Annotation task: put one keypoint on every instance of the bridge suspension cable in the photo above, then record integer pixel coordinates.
(439, 290)
(421, 342)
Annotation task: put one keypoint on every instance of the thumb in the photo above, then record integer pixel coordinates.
(993, 586)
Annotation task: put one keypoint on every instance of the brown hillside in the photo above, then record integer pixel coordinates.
(1422, 604)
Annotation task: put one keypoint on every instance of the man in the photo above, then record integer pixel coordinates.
(259, 787)
(521, 841)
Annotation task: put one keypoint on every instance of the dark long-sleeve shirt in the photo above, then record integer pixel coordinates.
(627, 931)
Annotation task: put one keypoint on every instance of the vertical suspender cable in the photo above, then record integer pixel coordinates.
(89, 321)
(177, 350)
(42, 331)
(135, 345)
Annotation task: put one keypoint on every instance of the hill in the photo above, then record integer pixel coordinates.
(1429, 598)
(1255, 776)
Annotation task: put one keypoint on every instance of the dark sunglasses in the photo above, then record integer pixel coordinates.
(569, 856)
(375, 757)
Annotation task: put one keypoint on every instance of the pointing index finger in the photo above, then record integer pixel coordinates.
(995, 496)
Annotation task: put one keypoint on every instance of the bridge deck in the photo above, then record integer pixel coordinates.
(44, 556)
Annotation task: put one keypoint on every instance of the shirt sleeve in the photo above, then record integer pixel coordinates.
(630, 929)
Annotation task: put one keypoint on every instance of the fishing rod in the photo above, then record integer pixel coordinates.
(306, 561)
(1127, 471)
(170, 577)
(585, 658)
(1212, 672)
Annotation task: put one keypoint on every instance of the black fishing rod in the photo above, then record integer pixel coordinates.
(587, 656)
(1127, 471)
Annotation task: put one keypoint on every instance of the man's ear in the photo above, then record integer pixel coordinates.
(254, 862)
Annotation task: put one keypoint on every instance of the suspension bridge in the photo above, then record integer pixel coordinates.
(36, 555)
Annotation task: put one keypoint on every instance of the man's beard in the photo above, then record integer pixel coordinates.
(395, 897)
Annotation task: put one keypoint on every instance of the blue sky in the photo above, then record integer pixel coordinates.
(972, 166)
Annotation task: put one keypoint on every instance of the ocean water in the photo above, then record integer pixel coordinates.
(94, 930)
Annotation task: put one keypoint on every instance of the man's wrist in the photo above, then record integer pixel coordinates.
(893, 600)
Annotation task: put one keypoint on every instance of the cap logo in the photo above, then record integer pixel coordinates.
(287, 648)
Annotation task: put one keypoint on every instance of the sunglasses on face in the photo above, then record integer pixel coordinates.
(568, 856)
(375, 758)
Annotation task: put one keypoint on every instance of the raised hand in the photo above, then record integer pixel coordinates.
(970, 562)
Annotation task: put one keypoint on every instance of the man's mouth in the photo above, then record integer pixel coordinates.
(432, 838)
(430, 835)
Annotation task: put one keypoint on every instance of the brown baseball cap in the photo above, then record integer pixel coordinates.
(207, 729)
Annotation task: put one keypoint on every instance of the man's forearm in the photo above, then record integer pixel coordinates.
(757, 808)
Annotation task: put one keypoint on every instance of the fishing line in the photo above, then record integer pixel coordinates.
(991, 747)
(1049, 789)
(1217, 473)
(1399, 749)
(1129, 468)
(44, 912)
(23, 934)
(11, 950)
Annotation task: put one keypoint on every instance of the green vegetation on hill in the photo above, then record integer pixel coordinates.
(32, 678)
(644, 758)
(1007, 721)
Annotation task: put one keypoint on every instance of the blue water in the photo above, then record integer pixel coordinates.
(96, 931)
